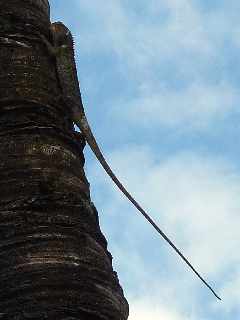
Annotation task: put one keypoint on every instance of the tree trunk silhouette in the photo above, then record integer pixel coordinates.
(54, 262)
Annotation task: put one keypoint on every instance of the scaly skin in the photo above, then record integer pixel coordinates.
(63, 51)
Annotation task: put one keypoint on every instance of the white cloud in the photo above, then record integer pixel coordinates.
(159, 44)
(195, 199)
(230, 290)
(178, 27)
(145, 33)
(145, 309)
(196, 106)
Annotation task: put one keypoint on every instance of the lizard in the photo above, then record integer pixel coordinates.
(62, 49)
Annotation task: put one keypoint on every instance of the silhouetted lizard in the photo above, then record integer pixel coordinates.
(63, 51)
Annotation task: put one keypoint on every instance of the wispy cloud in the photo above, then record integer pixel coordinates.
(194, 107)
(170, 55)
(148, 309)
(195, 200)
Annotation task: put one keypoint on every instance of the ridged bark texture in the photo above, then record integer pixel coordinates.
(54, 262)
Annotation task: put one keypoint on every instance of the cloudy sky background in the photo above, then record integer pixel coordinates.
(160, 84)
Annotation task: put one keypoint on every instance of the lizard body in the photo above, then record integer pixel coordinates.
(63, 51)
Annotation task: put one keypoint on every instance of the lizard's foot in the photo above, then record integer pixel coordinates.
(52, 51)
(80, 139)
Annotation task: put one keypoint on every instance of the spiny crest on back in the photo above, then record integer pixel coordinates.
(61, 35)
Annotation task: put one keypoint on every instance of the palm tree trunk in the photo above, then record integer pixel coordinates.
(54, 262)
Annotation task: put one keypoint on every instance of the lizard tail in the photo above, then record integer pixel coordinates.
(82, 123)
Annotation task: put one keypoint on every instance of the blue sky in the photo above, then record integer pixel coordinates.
(160, 85)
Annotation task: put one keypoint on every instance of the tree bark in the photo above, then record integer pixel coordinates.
(54, 262)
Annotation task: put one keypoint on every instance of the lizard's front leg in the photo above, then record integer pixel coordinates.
(51, 49)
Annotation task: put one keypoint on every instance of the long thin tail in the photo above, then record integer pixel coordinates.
(82, 123)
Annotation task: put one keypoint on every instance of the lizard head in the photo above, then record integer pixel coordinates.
(61, 34)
